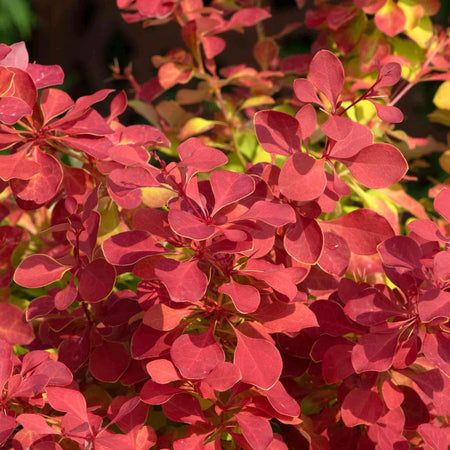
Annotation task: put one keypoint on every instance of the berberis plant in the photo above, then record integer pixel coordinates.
(229, 276)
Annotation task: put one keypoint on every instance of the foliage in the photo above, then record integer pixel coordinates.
(229, 276)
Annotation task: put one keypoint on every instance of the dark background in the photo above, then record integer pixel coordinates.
(84, 37)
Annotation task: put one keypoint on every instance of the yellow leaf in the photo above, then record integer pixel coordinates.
(156, 197)
(442, 97)
(444, 161)
(196, 126)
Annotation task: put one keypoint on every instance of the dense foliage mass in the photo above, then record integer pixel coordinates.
(246, 271)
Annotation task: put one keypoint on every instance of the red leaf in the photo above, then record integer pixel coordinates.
(164, 318)
(18, 166)
(68, 401)
(256, 430)
(307, 118)
(7, 425)
(13, 328)
(337, 127)
(53, 103)
(196, 155)
(377, 166)
(327, 75)
(196, 355)
(184, 281)
(436, 348)
(56, 372)
(44, 76)
(441, 263)
(281, 401)
(390, 19)
(302, 178)
(229, 187)
(363, 229)
(43, 186)
(280, 317)
(162, 371)
(442, 204)
(361, 407)
(370, 308)
(435, 437)
(13, 109)
(388, 113)
(304, 240)
(65, 297)
(375, 352)
(276, 214)
(337, 363)
(400, 251)
(96, 280)
(157, 394)
(390, 74)
(109, 361)
(247, 17)
(245, 298)
(143, 135)
(184, 408)
(434, 303)
(305, 92)
(188, 225)
(258, 360)
(36, 423)
(223, 377)
(127, 248)
(358, 138)
(278, 132)
(6, 363)
(335, 257)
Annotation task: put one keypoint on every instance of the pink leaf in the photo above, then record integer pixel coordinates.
(162, 371)
(281, 401)
(278, 132)
(377, 166)
(361, 407)
(6, 362)
(247, 17)
(13, 327)
(53, 103)
(196, 155)
(7, 425)
(256, 430)
(184, 281)
(390, 74)
(196, 355)
(13, 109)
(302, 178)
(246, 298)
(435, 437)
(127, 248)
(229, 187)
(188, 225)
(280, 317)
(327, 75)
(276, 214)
(390, 19)
(17, 165)
(223, 377)
(307, 118)
(305, 92)
(65, 297)
(358, 138)
(57, 373)
(337, 127)
(388, 113)
(164, 318)
(96, 280)
(68, 401)
(109, 361)
(442, 204)
(363, 229)
(258, 360)
(35, 423)
(44, 185)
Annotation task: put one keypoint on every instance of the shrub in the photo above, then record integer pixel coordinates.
(229, 276)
